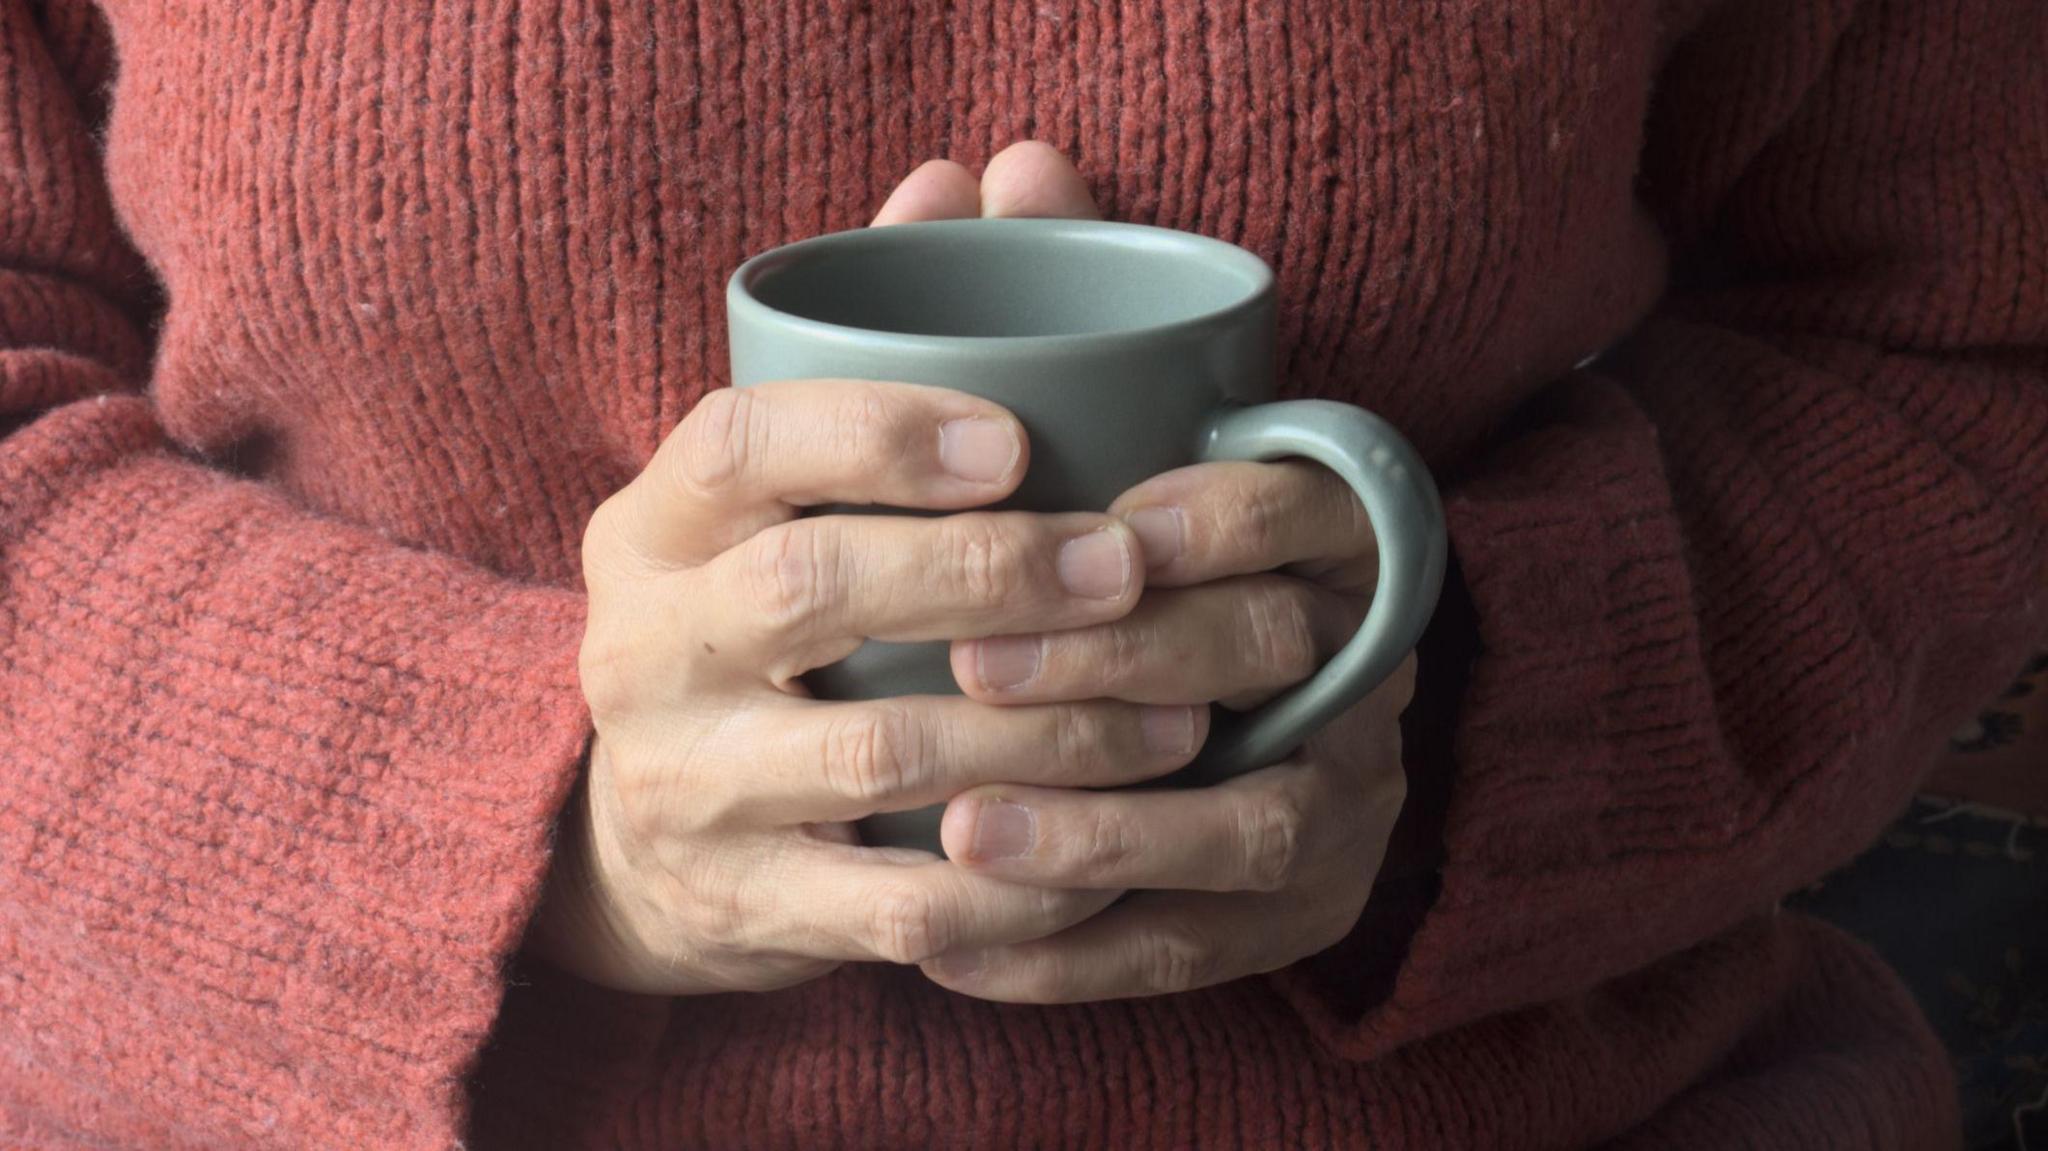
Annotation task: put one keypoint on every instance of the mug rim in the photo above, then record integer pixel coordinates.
(742, 302)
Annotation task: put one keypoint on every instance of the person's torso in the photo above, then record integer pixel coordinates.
(451, 271)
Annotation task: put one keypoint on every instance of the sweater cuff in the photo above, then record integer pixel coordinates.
(278, 788)
(1580, 608)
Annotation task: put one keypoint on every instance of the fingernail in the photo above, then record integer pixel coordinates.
(1168, 730)
(979, 450)
(957, 965)
(1006, 662)
(1003, 830)
(1159, 532)
(1097, 565)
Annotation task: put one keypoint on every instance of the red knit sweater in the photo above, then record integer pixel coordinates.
(324, 327)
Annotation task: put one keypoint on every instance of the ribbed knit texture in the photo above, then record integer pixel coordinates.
(324, 327)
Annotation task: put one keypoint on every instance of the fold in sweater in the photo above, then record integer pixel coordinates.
(324, 327)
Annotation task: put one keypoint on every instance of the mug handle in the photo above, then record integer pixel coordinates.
(1407, 518)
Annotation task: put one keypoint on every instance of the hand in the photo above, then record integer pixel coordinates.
(709, 846)
(1257, 574)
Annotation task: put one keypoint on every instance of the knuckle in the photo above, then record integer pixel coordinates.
(1270, 840)
(988, 561)
(1109, 844)
(1351, 511)
(666, 781)
(875, 755)
(790, 574)
(634, 787)
(1120, 652)
(1043, 980)
(615, 554)
(715, 445)
(1057, 909)
(625, 661)
(874, 421)
(706, 798)
(609, 685)
(1251, 520)
(1080, 739)
(720, 912)
(905, 926)
(1181, 958)
(1280, 644)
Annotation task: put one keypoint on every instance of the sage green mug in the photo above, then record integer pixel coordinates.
(1126, 351)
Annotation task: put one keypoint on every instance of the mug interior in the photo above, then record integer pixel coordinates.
(1004, 279)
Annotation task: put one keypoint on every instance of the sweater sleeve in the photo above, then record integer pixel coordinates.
(274, 792)
(1729, 588)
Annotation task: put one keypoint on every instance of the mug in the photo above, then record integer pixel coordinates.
(1126, 351)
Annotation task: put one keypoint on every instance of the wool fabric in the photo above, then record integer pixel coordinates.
(324, 327)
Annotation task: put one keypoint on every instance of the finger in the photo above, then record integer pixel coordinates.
(834, 762)
(863, 904)
(1208, 521)
(937, 190)
(804, 593)
(1155, 943)
(744, 457)
(1257, 832)
(1235, 641)
(1035, 179)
